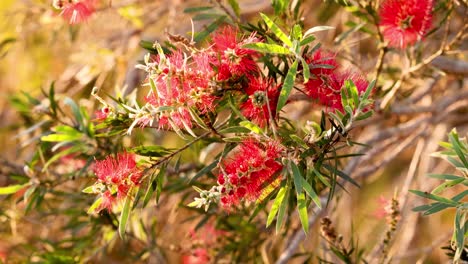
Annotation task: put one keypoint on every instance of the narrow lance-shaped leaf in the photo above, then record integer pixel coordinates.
(276, 205)
(251, 126)
(312, 194)
(457, 146)
(276, 30)
(434, 197)
(125, 214)
(287, 86)
(95, 205)
(235, 7)
(12, 188)
(446, 185)
(297, 176)
(305, 70)
(297, 32)
(317, 29)
(267, 48)
(302, 210)
(282, 211)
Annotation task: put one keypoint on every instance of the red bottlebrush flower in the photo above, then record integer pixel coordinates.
(198, 256)
(102, 114)
(384, 209)
(260, 91)
(232, 59)
(248, 171)
(108, 201)
(118, 174)
(181, 85)
(322, 62)
(405, 21)
(326, 88)
(200, 242)
(76, 12)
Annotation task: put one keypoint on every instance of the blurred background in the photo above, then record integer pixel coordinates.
(37, 47)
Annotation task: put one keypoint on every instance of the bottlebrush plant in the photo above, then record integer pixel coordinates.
(251, 121)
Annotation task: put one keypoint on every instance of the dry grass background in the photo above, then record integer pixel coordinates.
(106, 48)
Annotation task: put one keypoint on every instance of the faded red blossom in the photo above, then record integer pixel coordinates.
(260, 91)
(384, 207)
(118, 174)
(232, 60)
(77, 11)
(245, 174)
(200, 241)
(405, 21)
(181, 85)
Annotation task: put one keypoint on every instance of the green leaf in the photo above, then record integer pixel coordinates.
(207, 16)
(89, 189)
(307, 40)
(312, 194)
(233, 139)
(434, 197)
(437, 207)
(321, 177)
(76, 112)
(341, 174)
(287, 86)
(368, 91)
(234, 129)
(276, 205)
(317, 29)
(197, 119)
(298, 140)
(305, 70)
(95, 205)
(204, 171)
(53, 103)
(302, 210)
(234, 108)
(125, 214)
(235, 7)
(276, 30)
(297, 32)
(459, 226)
(197, 9)
(352, 89)
(457, 146)
(61, 154)
(151, 151)
(280, 6)
(210, 28)
(446, 185)
(267, 48)
(297, 176)
(444, 176)
(155, 184)
(12, 188)
(282, 211)
(251, 126)
(365, 115)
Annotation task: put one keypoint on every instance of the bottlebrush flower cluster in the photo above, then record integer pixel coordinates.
(328, 78)
(116, 177)
(248, 171)
(405, 22)
(188, 83)
(75, 11)
(260, 106)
